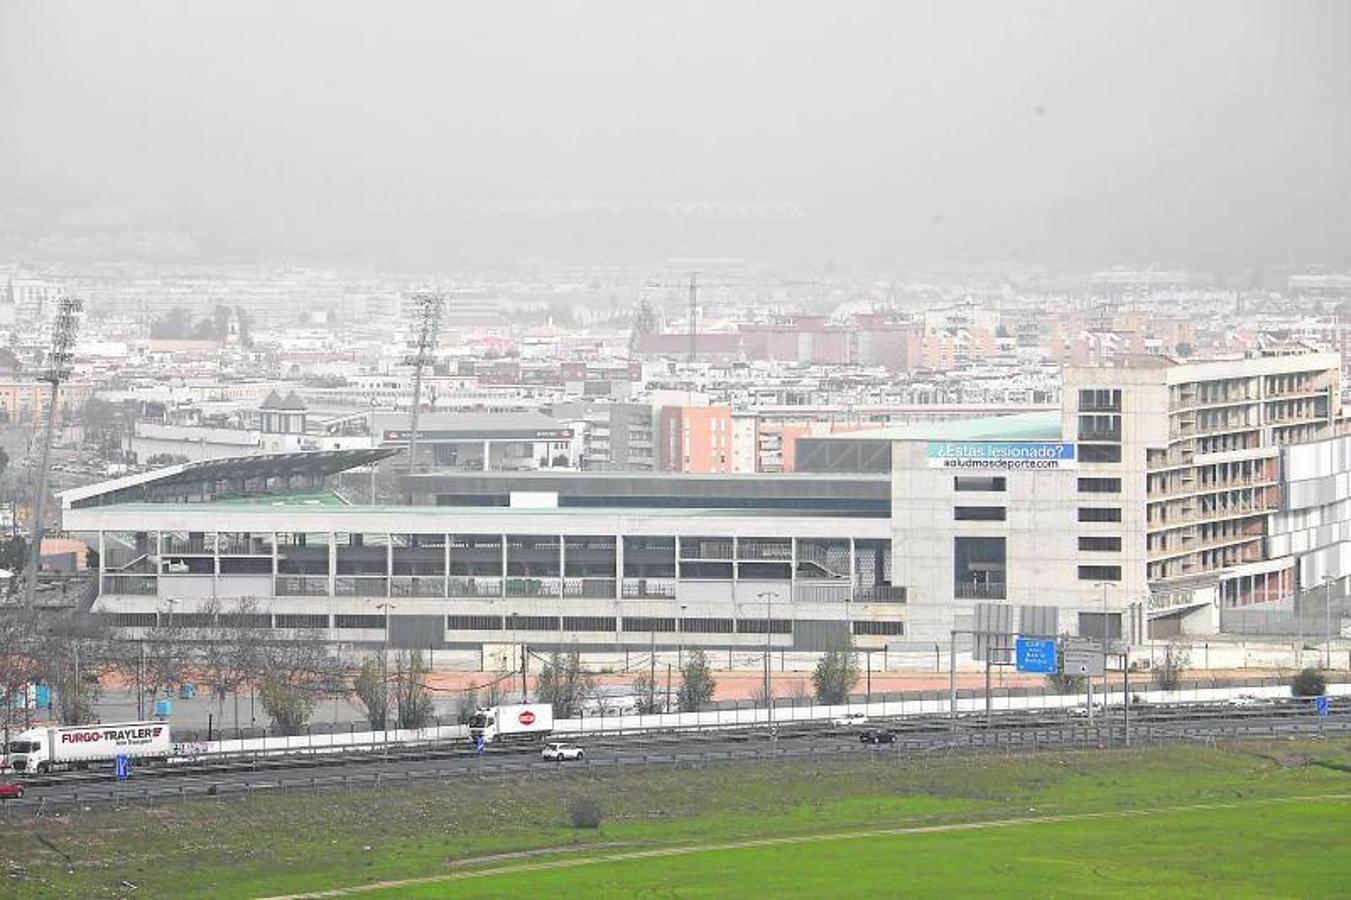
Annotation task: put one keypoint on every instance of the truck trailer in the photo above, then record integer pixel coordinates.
(514, 722)
(39, 750)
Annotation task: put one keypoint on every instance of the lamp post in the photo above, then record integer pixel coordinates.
(768, 597)
(1328, 581)
(384, 670)
(1103, 645)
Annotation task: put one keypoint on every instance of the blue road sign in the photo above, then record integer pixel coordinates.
(123, 767)
(479, 745)
(1322, 705)
(1035, 655)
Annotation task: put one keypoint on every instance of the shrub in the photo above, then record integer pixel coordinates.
(583, 812)
(1308, 683)
(1169, 671)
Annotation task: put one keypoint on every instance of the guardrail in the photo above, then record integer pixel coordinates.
(1033, 738)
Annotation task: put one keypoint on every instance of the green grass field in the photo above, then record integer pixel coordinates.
(1289, 850)
(681, 832)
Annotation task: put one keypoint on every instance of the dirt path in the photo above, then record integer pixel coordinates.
(750, 843)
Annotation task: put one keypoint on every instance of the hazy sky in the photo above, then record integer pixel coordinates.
(1211, 133)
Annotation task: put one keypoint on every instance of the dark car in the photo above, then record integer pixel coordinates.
(11, 791)
(877, 736)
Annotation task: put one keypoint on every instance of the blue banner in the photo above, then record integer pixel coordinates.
(1005, 455)
(1035, 655)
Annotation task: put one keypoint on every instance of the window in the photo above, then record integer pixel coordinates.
(1100, 453)
(1099, 485)
(1099, 514)
(1090, 625)
(979, 513)
(706, 626)
(979, 483)
(1099, 573)
(1100, 544)
(355, 621)
(757, 626)
(1100, 399)
(532, 623)
(130, 619)
(473, 623)
(866, 627)
(588, 623)
(252, 620)
(1099, 428)
(648, 623)
(302, 620)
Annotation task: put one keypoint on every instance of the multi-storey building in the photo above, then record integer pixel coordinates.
(1158, 495)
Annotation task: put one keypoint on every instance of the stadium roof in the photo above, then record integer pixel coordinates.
(210, 479)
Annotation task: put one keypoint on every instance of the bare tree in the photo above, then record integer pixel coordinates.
(412, 699)
(228, 659)
(20, 668)
(75, 653)
(563, 683)
(372, 692)
(293, 675)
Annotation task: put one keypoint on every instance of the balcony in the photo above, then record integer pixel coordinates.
(533, 587)
(130, 584)
(891, 593)
(301, 586)
(474, 586)
(990, 590)
(649, 589)
(417, 586)
(589, 588)
(360, 586)
(822, 592)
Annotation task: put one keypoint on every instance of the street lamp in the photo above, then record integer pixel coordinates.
(1328, 581)
(768, 597)
(384, 669)
(1104, 585)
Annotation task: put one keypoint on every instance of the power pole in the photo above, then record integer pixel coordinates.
(694, 317)
(59, 357)
(427, 309)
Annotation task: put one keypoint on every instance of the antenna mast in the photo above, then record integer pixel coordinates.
(59, 357)
(427, 309)
(694, 316)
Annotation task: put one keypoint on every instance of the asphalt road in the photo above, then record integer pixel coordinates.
(69, 791)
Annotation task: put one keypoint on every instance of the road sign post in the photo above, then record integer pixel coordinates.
(1035, 655)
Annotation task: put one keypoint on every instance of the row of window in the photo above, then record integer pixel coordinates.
(1000, 513)
(493, 623)
(998, 483)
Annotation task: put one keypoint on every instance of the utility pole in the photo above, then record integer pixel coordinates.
(1327, 620)
(59, 357)
(694, 317)
(427, 310)
(384, 671)
(652, 672)
(768, 597)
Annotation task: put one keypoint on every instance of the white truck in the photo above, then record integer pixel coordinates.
(513, 722)
(40, 750)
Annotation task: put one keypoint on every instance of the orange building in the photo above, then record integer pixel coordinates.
(696, 438)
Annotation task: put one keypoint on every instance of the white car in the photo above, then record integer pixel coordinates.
(1245, 700)
(850, 720)
(562, 752)
(1081, 711)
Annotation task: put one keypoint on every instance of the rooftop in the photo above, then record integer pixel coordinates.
(1043, 425)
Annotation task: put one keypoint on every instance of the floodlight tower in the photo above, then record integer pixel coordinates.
(428, 307)
(59, 357)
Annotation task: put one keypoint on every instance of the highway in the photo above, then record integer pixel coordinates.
(970, 733)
